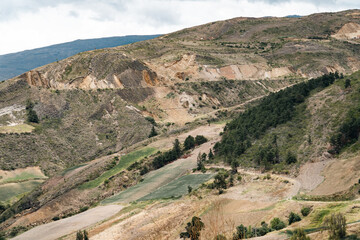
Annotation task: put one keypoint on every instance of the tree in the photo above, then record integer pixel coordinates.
(82, 235)
(220, 181)
(177, 148)
(200, 139)
(153, 132)
(347, 83)
(293, 217)
(234, 166)
(336, 224)
(211, 155)
(200, 164)
(299, 234)
(290, 158)
(305, 211)
(189, 142)
(241, 232)
(277, 224)
(31, 114)
(192, 229)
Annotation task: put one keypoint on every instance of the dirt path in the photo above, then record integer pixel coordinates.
(69, 225)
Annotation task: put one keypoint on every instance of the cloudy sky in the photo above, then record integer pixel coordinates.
(28, 24)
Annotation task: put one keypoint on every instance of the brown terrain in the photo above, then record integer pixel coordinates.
(97, 106)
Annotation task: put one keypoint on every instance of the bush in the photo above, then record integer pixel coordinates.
(220, 237)
(151, 120)
(305, 211)
(153, 132)
(192, 229)
(336, 224)
(189, 142)
(293, 217)
(299, 234)
(277, 224)
(200, 139)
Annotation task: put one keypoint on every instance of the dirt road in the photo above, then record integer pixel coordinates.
(69, 225)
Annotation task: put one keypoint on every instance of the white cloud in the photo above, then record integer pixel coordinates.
(27, 24)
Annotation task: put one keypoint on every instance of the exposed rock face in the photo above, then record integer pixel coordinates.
(348, 31)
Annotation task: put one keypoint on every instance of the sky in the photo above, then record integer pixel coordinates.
(28, 24)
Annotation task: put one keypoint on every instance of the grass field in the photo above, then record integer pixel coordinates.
(21, 175)
(124, 162)
(178, 187)
(12, 190)
(20, 128)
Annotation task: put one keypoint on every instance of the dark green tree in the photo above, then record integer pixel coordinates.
(290, 158)
(189, 142)
(211, 155)
(277, 224)
(177, 148)
(347, 83)
(305, 211)
(293, 217)
(153, 132)
(200, 139)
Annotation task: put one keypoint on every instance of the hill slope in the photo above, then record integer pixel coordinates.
(14, 64)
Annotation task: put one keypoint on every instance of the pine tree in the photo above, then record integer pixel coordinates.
(153, 132)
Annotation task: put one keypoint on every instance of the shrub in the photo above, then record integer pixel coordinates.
(293, 217)
(336, 224)
(189, 142)
(192, 229)
(82, 235)
(153, 132)
(277, 224)
(220, 237)
(299, 234)
(151, 120)
(200, 139)
(305, 211)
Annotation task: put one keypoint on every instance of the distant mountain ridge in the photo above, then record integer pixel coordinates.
(14, 64)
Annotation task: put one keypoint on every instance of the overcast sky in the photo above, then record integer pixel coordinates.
(28, 24)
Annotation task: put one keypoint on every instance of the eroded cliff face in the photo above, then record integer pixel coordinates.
(93, 71)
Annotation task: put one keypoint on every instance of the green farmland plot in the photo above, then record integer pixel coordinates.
(11, 190)
(125, 161)
(154, 180)
(178, 187)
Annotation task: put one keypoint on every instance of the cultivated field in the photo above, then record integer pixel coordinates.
(178, 187)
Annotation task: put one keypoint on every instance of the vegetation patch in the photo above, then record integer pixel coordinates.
(178, 187)
(20, 128)
(12, 191)
(124, 162)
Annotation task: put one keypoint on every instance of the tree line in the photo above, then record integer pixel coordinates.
(273, 110)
